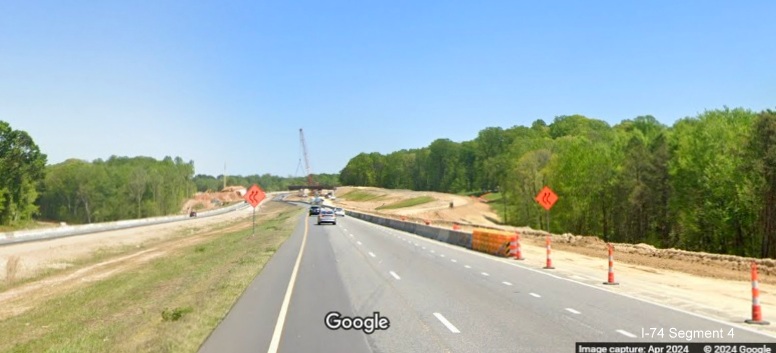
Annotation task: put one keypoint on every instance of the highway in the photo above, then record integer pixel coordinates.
(437, 297)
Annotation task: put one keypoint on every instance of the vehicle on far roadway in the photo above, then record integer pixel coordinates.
(327, 216)
(339, 212)
(193, 214)
(315, 210)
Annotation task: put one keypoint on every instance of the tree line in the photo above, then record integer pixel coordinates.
(706, 183)
(77, 191)
(268, 182)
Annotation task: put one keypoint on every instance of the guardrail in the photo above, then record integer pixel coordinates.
(67, 231)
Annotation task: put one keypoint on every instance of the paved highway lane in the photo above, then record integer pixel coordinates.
(438, 298)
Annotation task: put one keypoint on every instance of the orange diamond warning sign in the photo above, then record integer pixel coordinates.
(546, 198)
(254, 195)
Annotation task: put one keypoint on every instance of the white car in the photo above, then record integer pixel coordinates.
(327, 216)
(339, 212)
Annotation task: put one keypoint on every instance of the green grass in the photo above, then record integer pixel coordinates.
(170, 304)
(492, 197)
(407, 203)
(27, 226)
(359, 195)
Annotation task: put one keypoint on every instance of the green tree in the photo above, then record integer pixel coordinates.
(762, 149)
(22, 167)
(707, 203)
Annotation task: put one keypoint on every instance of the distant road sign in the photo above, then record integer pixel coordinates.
(546, 198)
(254, 195)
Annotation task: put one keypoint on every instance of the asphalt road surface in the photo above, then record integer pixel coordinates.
(437, 298)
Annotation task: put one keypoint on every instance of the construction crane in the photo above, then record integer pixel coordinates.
(306, 159)
(311, 184)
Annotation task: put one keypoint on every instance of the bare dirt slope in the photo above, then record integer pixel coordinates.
(715, 285)
(209, 200)
(466, 210)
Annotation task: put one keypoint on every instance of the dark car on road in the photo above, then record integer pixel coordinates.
(315, 210)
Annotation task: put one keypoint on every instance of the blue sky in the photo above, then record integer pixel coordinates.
(232, 82)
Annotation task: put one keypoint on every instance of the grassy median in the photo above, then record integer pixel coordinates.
(407, 203)
(169, 304)
(361, 196)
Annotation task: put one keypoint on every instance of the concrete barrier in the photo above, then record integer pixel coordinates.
(453, 237)
(66, 231)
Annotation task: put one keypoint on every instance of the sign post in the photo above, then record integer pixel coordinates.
(547, 199)
(254, 196)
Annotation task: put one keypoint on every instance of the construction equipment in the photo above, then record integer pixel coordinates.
(306, 159)
(311, 184)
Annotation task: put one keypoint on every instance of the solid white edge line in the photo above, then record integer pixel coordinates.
(447, 324)
(626, 333)
(490, 257)
(394, 275)
(507, 283)
(372, 254)
(535, 295)
(572, 311)
(275, 343)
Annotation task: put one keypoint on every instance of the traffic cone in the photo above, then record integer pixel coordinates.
(610, 280)
(514, 247)
(757, 314)
(549, 258)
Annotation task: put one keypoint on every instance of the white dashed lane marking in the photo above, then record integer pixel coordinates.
(507, 283)
(626, 333)
(394, 275)
(535, 295)
(372, 254)
(447, 324)
(572, 311)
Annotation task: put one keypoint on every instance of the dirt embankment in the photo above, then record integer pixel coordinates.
(203, 201)
(469, 213)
